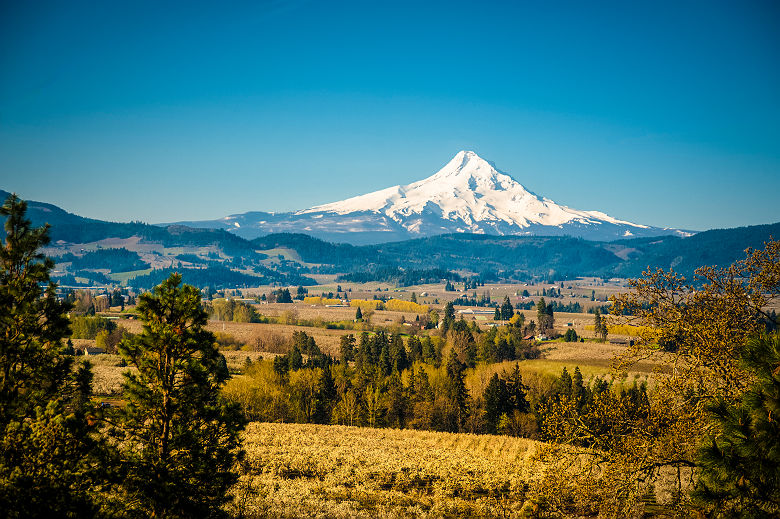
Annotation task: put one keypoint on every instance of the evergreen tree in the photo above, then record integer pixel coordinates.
(428, 350)
(413, 299)
(740, 464)
(507, 311)
(578, 390)
(358, 314)
(385, 366)
(449, 316)
(544, 315)
(347, 348)
(456, 393)
(564, 384)
(415, 349)
(295, 358)
(179, 437)
(496, 397)
(48, 449)
(517, 391)
(497, 315)
(326, 396)
(398, 358)
(396, 402)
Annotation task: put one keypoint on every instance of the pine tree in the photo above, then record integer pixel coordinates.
(543, 315)
(358, 314)
(327, 394)
(564, 384)
(347, 348)
(507, 311)
(398, 358)
(456, 393)
(740, 464)
(48, 449)
(578, 390)
(179, 436)
(295, 358)
(517, 391)
(396, 401)
(497, 315)
(449, 316)
(496, 397)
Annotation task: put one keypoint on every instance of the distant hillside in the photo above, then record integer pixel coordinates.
(715, 247)
(236, 261)
(160, 248)
(523, 257)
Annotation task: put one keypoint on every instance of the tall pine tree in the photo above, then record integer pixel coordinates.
(48, 448)
(179, 437)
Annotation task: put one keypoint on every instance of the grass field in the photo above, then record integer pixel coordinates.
(294, 470)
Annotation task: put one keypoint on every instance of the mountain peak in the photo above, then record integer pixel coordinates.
(467, 163)
(468, 194)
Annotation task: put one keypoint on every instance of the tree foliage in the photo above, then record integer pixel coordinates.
(740, 461)
(179, 437)
(49, 449)
(629, 441)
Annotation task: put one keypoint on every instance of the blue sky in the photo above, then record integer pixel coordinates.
(659, 113)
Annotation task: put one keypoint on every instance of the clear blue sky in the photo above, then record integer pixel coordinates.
(664, 113)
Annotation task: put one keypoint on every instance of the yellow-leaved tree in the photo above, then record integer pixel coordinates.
(619, 457)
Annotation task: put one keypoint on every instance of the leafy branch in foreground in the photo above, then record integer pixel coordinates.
(698, 331)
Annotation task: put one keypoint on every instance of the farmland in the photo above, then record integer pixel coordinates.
(297, 470)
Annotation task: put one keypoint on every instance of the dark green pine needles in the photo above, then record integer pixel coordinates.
(179, 436)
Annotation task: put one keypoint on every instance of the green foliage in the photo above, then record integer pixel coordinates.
(219, 277)
(740, 464)
(232, 310)
(86, 327)
(48, 447)
(178, 436)
(456, 394)
(507, 311)
(599, 326)
(496, 397)
(544, 316)
(115, 259)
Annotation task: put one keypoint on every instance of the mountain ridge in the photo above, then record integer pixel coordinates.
(468, 195)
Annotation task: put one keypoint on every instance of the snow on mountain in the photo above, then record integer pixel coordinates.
(471, 190)
(467, 195)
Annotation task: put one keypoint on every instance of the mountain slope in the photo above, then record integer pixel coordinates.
(468, 195)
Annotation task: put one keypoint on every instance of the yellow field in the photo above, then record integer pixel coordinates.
(295, 470)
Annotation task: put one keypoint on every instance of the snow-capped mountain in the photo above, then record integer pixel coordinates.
(467, 195)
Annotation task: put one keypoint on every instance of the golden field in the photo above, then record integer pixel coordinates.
(304, 470)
